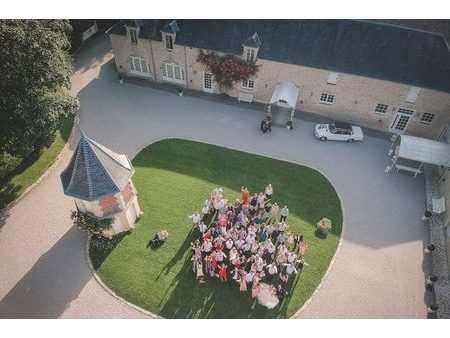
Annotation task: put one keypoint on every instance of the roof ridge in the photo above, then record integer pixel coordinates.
(88, 171)
(103, 150)
(398, 26)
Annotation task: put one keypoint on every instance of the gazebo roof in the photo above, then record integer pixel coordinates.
(95, 171)
(286, 91)
(424, 150)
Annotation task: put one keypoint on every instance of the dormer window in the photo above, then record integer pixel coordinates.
(251, 47)
(168, 34)
(169, 42)
(133, 36)
(249, 54)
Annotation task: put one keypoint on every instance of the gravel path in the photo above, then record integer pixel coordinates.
(378, 271)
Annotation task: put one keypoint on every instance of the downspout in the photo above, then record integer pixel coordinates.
(153, 59)
(186, 65)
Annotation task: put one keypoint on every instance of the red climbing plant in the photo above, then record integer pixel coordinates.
(227, 69)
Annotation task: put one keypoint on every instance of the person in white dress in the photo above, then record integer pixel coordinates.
(267, 296)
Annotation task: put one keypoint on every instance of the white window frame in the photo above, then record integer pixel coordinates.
(137, 65)
(326, 98)
(381, 108)
(249, 54)
(248, 84)
(171, 68)
(168, 41)
(425, 119)
(134, 33)
(211, 82)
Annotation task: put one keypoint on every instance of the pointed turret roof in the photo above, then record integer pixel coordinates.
(253, 41)
(95, 171)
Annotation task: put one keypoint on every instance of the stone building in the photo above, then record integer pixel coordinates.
(377, 75)
(100, 182)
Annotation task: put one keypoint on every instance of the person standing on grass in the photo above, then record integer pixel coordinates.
(261, 200)
(202, 228)
(272, 270)
(269, 191)
(274, 211)
(207, 246)
(205, 208)
(196, 218)
(284, 214)
(243, 282)
(220, 256)
(254, 201)
(223, 272)
(245, 198)
(290, 268)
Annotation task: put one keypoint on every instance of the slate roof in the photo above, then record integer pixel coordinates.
(365, 48)
(95, 171)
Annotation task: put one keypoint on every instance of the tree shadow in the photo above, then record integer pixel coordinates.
(51, 284)
(100, 247)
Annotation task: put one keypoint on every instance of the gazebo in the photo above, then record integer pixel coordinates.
(284, 99)
(100, 182)
(410, 153)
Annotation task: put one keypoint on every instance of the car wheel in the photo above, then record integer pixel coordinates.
(323, 138)
(350, 140)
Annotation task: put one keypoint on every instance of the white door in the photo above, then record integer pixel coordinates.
(401, 120)
(207, 82)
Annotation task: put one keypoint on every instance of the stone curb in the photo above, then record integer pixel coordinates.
(300, 311)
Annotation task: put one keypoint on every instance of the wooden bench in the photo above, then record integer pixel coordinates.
(416, 171)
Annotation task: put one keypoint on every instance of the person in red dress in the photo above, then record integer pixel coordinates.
(245, 195)
(223, 273)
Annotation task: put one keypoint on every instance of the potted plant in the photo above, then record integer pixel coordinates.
(432, 279)
(429, 248)
(433, 307)
(426, 215)
(324, 225)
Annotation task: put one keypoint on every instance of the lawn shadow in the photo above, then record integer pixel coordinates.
(190, 299)
(179, 254)
(101, 247)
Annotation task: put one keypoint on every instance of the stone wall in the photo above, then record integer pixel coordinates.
(355, 96)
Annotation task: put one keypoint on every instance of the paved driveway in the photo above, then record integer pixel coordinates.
(378, 271)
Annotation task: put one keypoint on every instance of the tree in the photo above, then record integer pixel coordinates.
(35, 72)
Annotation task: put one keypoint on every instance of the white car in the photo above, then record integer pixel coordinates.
(338, 131)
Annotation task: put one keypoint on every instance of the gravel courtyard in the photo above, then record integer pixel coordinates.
(379, 268)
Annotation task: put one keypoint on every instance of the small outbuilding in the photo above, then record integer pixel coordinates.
(100, 182)
(282, 104)
(409, 153)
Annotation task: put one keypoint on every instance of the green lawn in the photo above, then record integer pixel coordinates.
(30, 170)
(173, 178)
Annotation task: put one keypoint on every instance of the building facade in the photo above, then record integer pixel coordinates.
(396, 80)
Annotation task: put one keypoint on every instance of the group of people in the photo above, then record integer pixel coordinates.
(266, 125)
(246, 243)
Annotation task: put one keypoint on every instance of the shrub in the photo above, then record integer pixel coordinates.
(91, 223)
(8, 163)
